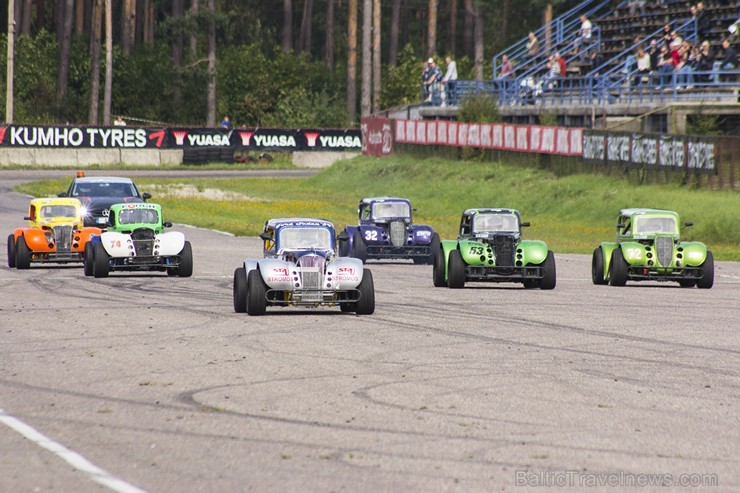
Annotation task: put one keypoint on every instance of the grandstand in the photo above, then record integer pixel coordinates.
(602, 87)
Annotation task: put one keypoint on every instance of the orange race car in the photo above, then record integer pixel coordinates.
(55, 234)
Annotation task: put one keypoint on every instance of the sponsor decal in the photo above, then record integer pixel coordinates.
(2, 134)
(279, 279)
(347, 271)
(280, 271)
(209, 140)
(311, 138)
(274, 141)
(246, 138)
(423, 233)
(179, 137)
(347, 278)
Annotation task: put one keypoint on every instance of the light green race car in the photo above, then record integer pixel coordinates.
(490, 248)
(648, 248)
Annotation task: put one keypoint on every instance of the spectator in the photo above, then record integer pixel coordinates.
(642, 59)
(450, 81)
(704, 61)
(636, 4)
(425, 87)
(702, 21)
(225, 123)
(119, 122)
(684, 73)
(434, 80)
(728, 62)
(533, 46)
(562, 64)
(667, 35)
(553, 71)
(654, 53)
(585, 31)
(665, 66)
(596, 60)
(506, 67)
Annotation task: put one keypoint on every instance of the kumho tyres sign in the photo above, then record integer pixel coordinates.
(696, 154)
(259, 139)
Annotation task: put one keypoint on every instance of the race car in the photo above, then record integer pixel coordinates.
(300, 268)
(648, 247)
(55, 234)
(135, 240)
(490, 248)
(386, 231)
(98, 193)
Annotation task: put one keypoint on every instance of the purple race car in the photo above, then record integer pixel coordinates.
(386, 231)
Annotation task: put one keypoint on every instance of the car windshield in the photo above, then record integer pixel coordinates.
(646, 225)
(49, 211)
(305, 238)
(133, 216)
(495, 223)
(390, 210)
(103, 189)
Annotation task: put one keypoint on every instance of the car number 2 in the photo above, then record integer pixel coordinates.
(371, 235)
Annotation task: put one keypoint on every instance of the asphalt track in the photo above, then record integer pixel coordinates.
(146, 382)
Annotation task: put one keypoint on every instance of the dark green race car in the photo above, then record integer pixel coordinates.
(648, 248)
(490, 248)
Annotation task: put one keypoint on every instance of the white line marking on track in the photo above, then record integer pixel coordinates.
(73, 458)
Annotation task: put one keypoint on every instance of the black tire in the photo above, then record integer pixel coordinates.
(359, 249)
(548, 281)
(88, 259)
(531, 283)
(438, 269)
(347, 307)
(100, 261)
(186, 261)
(455, 270)
(618, 269)
(256, 289)
(240, 290)
(687, 283)
(597, 267)
(11, 251)
(22, 254)
(707, 271)
(343, 245)
(366, 304)
(435, 245)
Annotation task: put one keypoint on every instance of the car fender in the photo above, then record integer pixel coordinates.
(170, 243)
(372, 234)
(694, 253)
(472, 251)
(345, 273)
(250, 265)
(447, 246)
(36, 240)
(607, 248)
(534, 252)
(422, 234)
(348, 236)
(277, 273)
(87, 234)
(634, 253)
(117, 244)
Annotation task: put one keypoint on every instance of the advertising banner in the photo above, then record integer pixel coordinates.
(81, 137)
(377, 136)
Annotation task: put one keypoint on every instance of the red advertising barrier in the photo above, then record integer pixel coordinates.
(503, 136)
(377, 136)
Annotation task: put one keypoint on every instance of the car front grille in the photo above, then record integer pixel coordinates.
(664, 250)
(311, 268)
(503, 246)
(143, 239)
(63, 238)
(398, 233)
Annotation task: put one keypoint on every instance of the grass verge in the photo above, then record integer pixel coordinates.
(572, 214)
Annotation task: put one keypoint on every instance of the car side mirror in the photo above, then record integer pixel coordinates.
(525, 224)
(146, 196)
(27, 218)
(620, 226)
(63, 194)
(167, 224)
(687, 224)
(266, 237)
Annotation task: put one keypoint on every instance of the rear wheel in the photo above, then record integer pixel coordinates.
(687, 283)
(618, 269)
(22, 254)
(343, 247)
(548, 280)
(531, 283)
(435, 244)
(100, 261)
(707, 273)
(438, 269)
(456, 270)
(256, 289)
(347, 307)
(597, 267)
(88, 259)
(186, 261)
(11, 251)
(359, 249)
(366, 304)
(240, 290)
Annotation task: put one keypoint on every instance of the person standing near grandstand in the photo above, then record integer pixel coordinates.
(642, 59)
(450, 81)
(702, 21)
(533, 47)
(728, 62)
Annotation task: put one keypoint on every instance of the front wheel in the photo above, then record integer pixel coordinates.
(256, 289)
(597, 267)
(618, 270)
(366, 304)
(435, 246)
(240, 290)
(456, 270)
(88, 260)
(343, 245)
(186, 261)
(438, 269)
(22, 254)
(100, 261)
(707, 273)
(11, 251)
(548, 266)
(359, 249)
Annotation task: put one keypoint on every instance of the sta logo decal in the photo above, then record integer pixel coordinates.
(346, 271)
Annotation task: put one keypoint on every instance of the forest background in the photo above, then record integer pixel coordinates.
(289, 63)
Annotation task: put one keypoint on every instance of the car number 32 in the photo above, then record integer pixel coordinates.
(371, 235)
